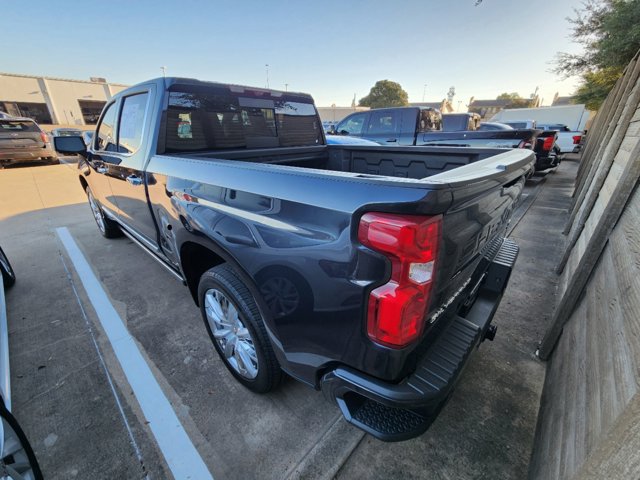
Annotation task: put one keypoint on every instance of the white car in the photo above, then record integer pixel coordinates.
(18, 459)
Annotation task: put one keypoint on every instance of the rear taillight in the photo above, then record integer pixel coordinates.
(547, 144)
(576, 139)
(396, 310)
(43, 137)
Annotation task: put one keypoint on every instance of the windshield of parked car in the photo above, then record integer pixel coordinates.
(18, 126)
(201, 118)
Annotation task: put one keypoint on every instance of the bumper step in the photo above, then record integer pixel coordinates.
(395, 412)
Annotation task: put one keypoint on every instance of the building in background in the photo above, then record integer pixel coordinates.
(487, 108)
(560, 101)
(55, 101)
(444, 106)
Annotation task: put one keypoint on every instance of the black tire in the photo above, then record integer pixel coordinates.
(107, 227)
(223, 278)
(8, 275)
(19, 436)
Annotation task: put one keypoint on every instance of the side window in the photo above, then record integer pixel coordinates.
(383, 122)
(429, 121)
(352, 125)
(105, 136)
(131, 123)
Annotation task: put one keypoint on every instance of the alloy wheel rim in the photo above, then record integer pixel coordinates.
(231, 334)
(97, 214)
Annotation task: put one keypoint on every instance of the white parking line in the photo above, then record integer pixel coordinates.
(181, 455)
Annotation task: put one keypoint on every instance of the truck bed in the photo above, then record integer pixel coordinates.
(364, 161)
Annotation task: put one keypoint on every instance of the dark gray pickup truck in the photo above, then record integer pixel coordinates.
(370, 273)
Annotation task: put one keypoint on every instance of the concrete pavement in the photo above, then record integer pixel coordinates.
(76, 406)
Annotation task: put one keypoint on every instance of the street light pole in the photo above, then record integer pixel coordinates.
(424, 91)
(267, 67)
(164, 71)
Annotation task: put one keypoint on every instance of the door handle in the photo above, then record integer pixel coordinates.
(102, 169)
(391, 140)
(133, 180)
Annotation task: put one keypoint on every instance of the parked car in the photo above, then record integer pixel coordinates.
(494, 126)
(567, 141)
(547, 152)
(18, 459)
(22, 140)
(459, 122)
(573, 116)
(369, 273)
(520, 123)
(66, 132)
(422, 126)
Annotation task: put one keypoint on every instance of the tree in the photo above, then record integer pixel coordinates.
(385, 93)
(609, 31)
(596, 86)
(515, 100)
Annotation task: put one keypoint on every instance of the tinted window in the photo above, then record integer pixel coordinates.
(14, 126)
(213, 118)
(429, 120)
(105, 137)
(131, 123)
(517, 124)
(352, 125)
(384, 122)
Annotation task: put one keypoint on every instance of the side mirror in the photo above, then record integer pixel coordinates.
(69, 145)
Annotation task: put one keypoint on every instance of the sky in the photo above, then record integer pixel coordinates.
(330, 49)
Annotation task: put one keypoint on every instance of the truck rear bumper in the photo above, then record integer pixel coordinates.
(400, 411)
(24, 154)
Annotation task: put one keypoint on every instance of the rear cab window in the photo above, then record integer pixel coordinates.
(18, 126)
(202, 118)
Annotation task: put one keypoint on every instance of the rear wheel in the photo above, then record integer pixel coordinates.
(108, 228)
(8, 275)
(237, 329)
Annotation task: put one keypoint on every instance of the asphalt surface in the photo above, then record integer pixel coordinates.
(73, 399)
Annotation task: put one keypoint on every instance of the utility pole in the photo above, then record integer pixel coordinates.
(164, 71)
(267, 67)
(424, 92)
(286, 87)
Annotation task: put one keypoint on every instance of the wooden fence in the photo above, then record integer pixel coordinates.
(589, 419)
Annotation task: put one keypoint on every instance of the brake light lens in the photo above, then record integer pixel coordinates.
(576, 139)
(547, 144)
(43, 137)
(396, 310)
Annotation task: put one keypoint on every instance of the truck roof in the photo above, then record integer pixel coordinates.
(168, 82)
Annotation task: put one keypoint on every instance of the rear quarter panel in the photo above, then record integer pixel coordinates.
(294, 227)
